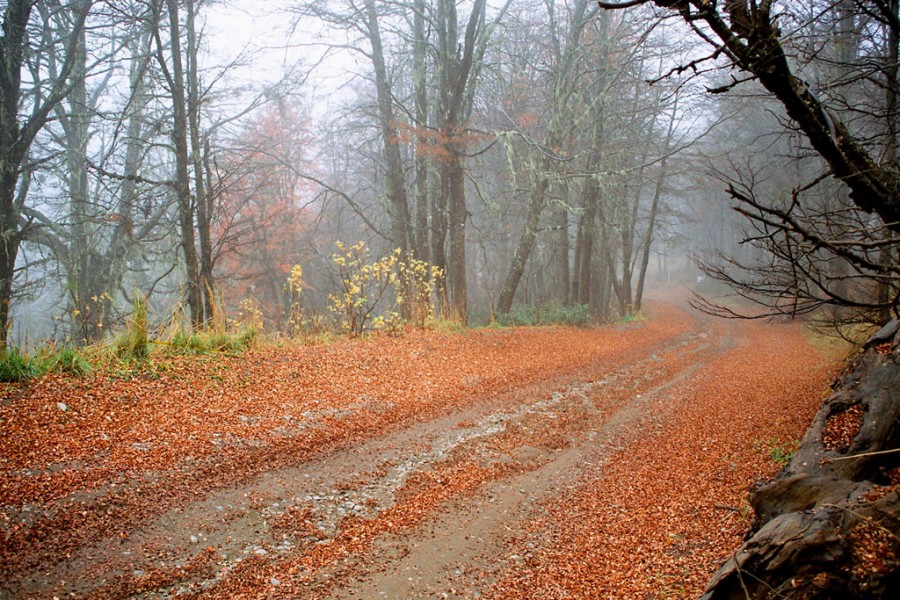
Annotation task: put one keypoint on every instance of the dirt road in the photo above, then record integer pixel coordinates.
(557, 463)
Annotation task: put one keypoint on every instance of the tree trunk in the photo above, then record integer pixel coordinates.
(623, 288)
(602, 292)
(458, 68)
(199, 150)
(654, 206)
(575, 288)
(561, 250)
(526, 243)
(395, 187)
(182, 168)
(205, 202)
(420, 92)
(9, 245)
(610, 256)
(586, 249)
(456, 278)
(648, 241)
(628, 233)
(124, 236)
(440, 201)
(887, 287)
(873, 188)
(81, 270)
(564, 86)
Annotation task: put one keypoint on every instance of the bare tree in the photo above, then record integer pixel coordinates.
(565, 84)
(808, 242)
(23, 113)
(93, 232)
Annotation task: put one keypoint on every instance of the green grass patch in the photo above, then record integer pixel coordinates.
(781, 453)
(133, 344)
(69, 361)
(636, 317)
(444, 325)
(547, 314)
(211, 342)
(16, 366)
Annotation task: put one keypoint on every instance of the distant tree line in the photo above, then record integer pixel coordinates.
(532, 152)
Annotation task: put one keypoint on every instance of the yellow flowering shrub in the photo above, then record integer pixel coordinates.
(294, 287)
(364, 283)
(419, 282)
(249, 315)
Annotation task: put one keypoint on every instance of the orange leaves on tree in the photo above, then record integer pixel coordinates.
(263, 217)
(438, 145)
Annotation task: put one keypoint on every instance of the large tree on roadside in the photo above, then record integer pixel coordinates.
(173, 70)
(395, 186)
(746, 32)
(459, 65)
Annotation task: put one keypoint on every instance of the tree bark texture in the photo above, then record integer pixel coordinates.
(184, 202)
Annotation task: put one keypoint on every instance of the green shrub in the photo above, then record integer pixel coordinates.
(577, 314)
(15, 366)
(520, 315)
(68, 361)
(548, 314)
(134, 342)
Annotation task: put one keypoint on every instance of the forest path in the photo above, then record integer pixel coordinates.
(463, 496)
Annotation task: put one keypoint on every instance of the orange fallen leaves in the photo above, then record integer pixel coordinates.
(654, 519)
(650, 523)
(128, 447)
(842, 427)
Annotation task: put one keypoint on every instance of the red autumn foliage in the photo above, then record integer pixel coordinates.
(265, 214)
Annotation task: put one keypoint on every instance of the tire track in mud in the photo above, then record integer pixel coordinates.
(454, 554)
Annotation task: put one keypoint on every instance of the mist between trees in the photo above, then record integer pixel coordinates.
(514, 153)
